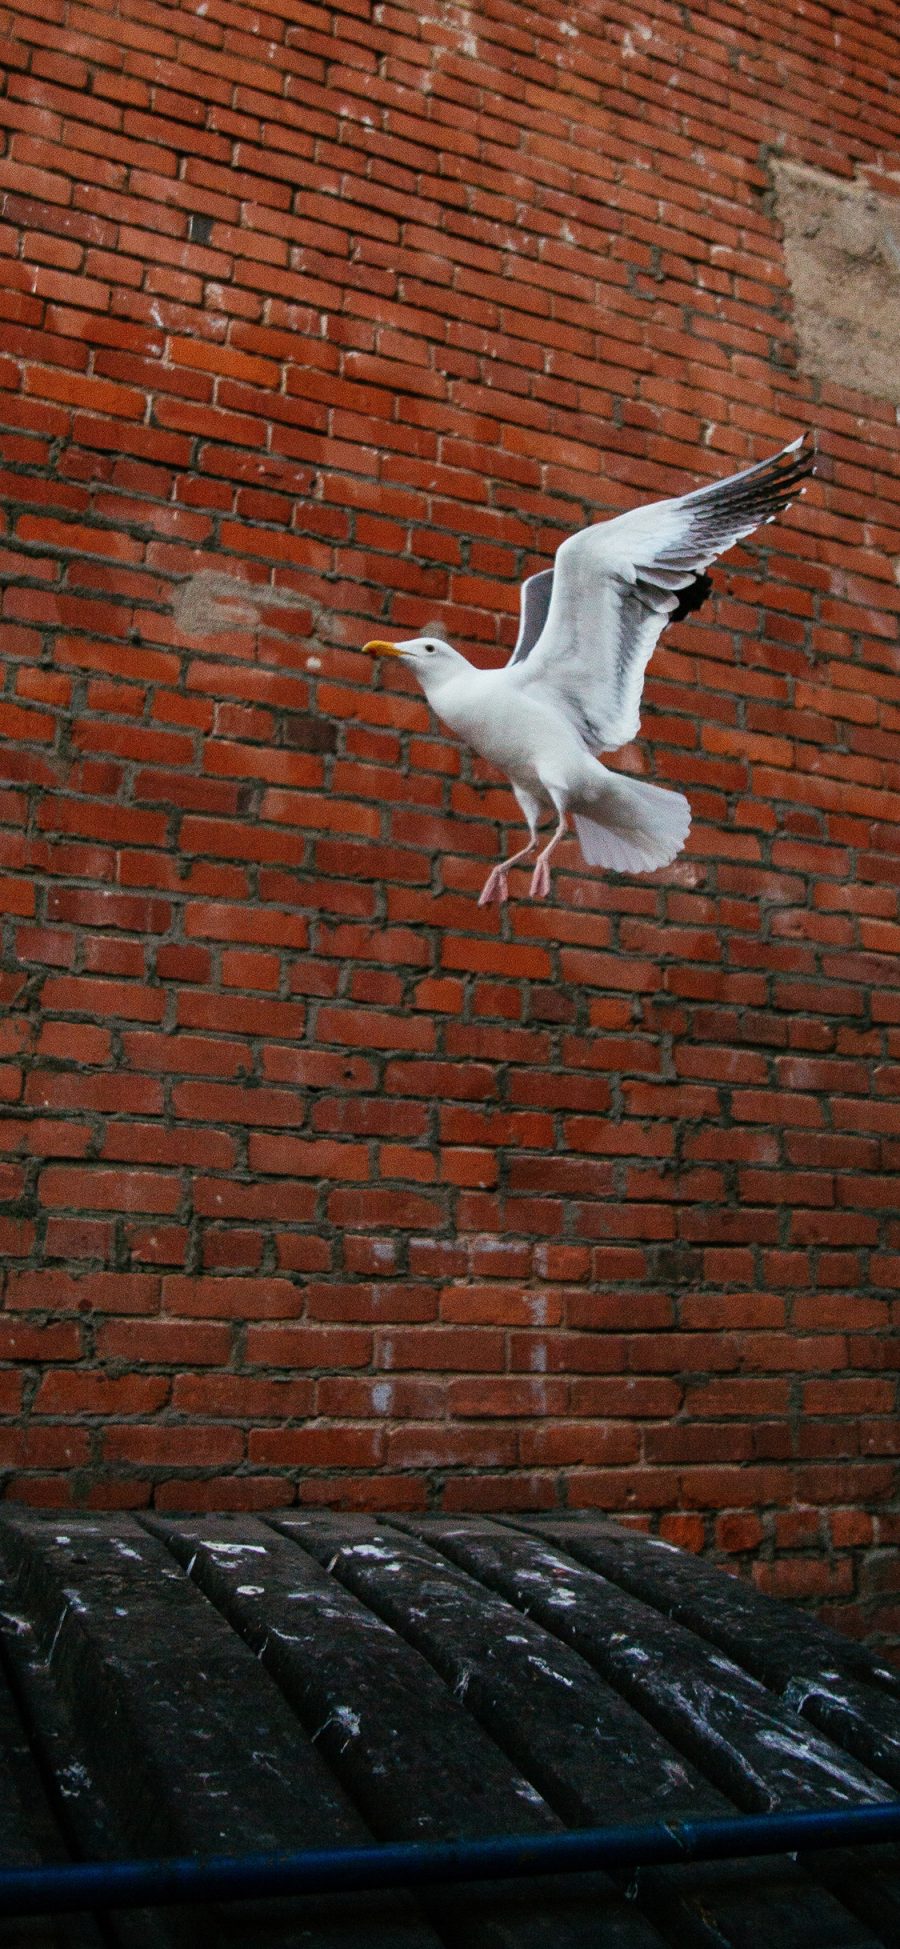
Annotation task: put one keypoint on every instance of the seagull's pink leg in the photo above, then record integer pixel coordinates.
(540, 879)
(496, 882)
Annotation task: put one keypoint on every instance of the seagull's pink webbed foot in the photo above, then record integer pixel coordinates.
(540, 878)
(497, 882)
(495, 886)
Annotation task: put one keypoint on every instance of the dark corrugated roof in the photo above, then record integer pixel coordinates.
(226, 1684)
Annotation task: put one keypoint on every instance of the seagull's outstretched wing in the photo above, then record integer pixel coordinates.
(613, 588)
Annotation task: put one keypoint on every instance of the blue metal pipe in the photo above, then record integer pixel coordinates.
(226, 1878)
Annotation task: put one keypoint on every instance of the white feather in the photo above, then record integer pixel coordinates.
(641, 828)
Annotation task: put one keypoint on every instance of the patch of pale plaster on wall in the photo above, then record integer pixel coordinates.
(842, 247)
(211, 601)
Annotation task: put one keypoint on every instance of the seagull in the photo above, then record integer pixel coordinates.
(572, 686)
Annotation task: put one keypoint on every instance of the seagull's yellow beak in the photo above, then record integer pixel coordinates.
(377, 648)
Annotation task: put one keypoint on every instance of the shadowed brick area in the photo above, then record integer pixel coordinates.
(227, 1684)
(318, 1184)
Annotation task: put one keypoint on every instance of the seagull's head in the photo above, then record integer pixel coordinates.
(432, 660)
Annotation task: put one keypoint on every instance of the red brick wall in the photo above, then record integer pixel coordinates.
(317, 1181)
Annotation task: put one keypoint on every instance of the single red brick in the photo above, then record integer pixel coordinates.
(73, 1391)
(795, 1528)
(172, 1446)
(229, 1297)
(803, 1577)
(107, 1190)
(313, 1447)
(239, 1397)
(685, 1532)
(739, 1531)
(223, 1492)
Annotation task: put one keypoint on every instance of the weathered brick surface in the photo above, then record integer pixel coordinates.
(318, 1182)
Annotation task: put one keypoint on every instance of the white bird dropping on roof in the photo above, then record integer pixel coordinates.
(573, 684)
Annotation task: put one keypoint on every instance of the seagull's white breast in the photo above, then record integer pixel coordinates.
(513, 728)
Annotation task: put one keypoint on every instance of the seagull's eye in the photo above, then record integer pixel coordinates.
(430, 648)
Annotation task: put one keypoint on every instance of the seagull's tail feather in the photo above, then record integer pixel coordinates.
(643, 826)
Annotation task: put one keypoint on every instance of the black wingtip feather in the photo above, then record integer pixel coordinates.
(757, 497)
(754, 496)
(692, 598)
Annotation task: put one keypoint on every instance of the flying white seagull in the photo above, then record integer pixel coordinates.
(573, 684)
